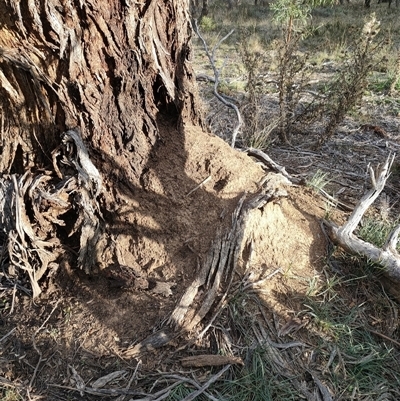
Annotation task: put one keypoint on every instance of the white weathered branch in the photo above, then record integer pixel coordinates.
(387, 256)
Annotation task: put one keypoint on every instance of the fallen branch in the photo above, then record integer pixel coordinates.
(217, 72)
(387, 256)
(264, 158)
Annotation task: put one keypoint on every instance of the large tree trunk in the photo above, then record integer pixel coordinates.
(109, 68)
(107, 72)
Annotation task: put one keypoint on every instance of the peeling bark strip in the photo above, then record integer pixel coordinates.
(198, 361)
(33, 208)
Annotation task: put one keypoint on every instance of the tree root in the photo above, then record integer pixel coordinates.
(32, 212)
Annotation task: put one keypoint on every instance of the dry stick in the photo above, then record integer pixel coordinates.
(133, 376)
(37, 349)
(260, 155)
(211, 57)
(198, 186)
(13, 299)
(194, 384)
(384, 337)
(8, 334)
(334, 201)
(108, 391)
(213, 379)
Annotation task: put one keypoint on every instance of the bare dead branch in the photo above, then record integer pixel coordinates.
(263, 157)
(217, 72)
(387, 256)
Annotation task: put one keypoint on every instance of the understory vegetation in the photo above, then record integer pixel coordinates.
(297, 71)
(319, 58)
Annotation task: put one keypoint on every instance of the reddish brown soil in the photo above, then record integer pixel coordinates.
(160, 232)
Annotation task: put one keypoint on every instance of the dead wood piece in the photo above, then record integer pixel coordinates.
(178, 315)
(102, 381)
(387, 256)
(323, 389)
(217, 72)
(27, 250)
(152, 342)
(260, 155)
(198, 361)
(79, 158)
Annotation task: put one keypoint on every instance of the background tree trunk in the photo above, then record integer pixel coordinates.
(107, 73)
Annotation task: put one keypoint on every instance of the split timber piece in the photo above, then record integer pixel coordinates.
(214, 278)
(387, 256)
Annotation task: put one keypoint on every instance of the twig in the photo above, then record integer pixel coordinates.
(127, 387)
(335, 202)
(259, 283)
(259, 154)
(13, 298)
(36, 348)
(8, 334)
(211, 57)
(212, 380)
(384, 336)
(194, 384)
(8, 383)
(198, 186)
(106, 391)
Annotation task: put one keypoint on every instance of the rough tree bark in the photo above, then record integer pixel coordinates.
(106, 73)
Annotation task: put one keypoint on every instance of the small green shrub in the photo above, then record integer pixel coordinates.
(347, 88)
(375, 231)
(318, 181)
(207, 24)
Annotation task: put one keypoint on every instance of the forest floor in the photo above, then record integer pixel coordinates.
(303, 319)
